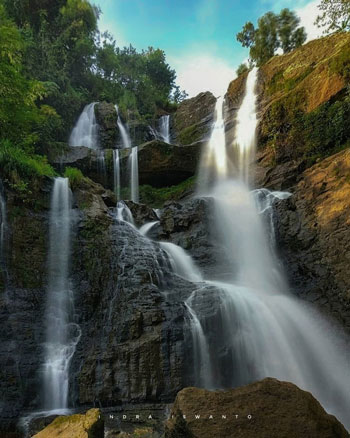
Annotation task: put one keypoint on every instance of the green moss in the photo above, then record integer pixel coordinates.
(156, 197)
(74, 175)
(341, 64)
(190, 134)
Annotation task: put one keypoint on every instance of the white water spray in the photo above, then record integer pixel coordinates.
(134, 174)
(116, 173)
(214, 162)
(126, 142)
(62, 334)
(246, 124)
(85, 132)
(264, 331)
(164, 128)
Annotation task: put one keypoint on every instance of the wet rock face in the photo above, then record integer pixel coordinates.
(187, 224)
(313, 235)
(162, 164)
(193, 119)
(130, 309)
(277, 409)
(107, 118)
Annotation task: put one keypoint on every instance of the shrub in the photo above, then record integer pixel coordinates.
(74, 175)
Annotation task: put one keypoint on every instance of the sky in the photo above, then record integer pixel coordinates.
(198, 36)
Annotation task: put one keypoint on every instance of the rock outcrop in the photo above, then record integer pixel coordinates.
(163, 165)
(193, 119)
(107, 117)
(313, 235)
(89, 425)
(265, 409)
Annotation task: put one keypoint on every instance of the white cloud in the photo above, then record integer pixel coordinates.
(202, 72)
(308, 14)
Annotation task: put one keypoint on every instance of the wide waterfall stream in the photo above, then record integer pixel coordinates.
(260, 329)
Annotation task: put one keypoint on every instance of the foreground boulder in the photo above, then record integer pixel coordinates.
(277, 409)
(89, 425)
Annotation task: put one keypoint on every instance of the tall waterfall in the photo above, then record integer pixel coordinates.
(246, 124)
(62, 334)
(126, 142)
(116, 173)
(134, 174)
(85, 132)
(264, 330)
(214, 161)
(164, 128)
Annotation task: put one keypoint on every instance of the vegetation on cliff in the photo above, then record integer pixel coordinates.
(53, 61)
(274, 31)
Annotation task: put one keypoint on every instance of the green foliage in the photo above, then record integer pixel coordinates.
(294, 134)
(19, 166)
(156, 197)
(341, 64)
(273, 32)
(242, 68)
(74, 175)
(335, 15)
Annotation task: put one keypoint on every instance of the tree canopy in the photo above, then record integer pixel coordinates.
(335, 15)
(273, 31)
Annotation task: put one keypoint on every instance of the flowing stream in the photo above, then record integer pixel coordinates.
(260, 329)
(62, 334)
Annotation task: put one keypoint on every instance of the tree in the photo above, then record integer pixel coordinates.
(335, 16)
(242, 68)
(290, 35)
(273, 32)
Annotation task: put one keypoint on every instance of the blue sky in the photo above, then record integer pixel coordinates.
(198, 36)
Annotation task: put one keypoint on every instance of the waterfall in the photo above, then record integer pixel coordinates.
(260, 328)
(126, 142)
(123, 213)
(134, 174)
(246, 124)
(147, 227)
(164, 128)
(85, 132)
(116, 173)
(62, 334)
(214, 162)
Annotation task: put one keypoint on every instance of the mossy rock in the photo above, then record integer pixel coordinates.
(89, 425)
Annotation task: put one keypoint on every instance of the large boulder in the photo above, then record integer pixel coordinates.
(265, 409)
(193, 119)
(162, 165)
(88, 425)
(107, 117)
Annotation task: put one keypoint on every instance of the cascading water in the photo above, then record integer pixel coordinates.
(246, 124)
(164, 128)
(264, 331)
(85, 132)
(62, 334)
(126, 142)
(116, 173)
(214, 163)
(134, 174)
